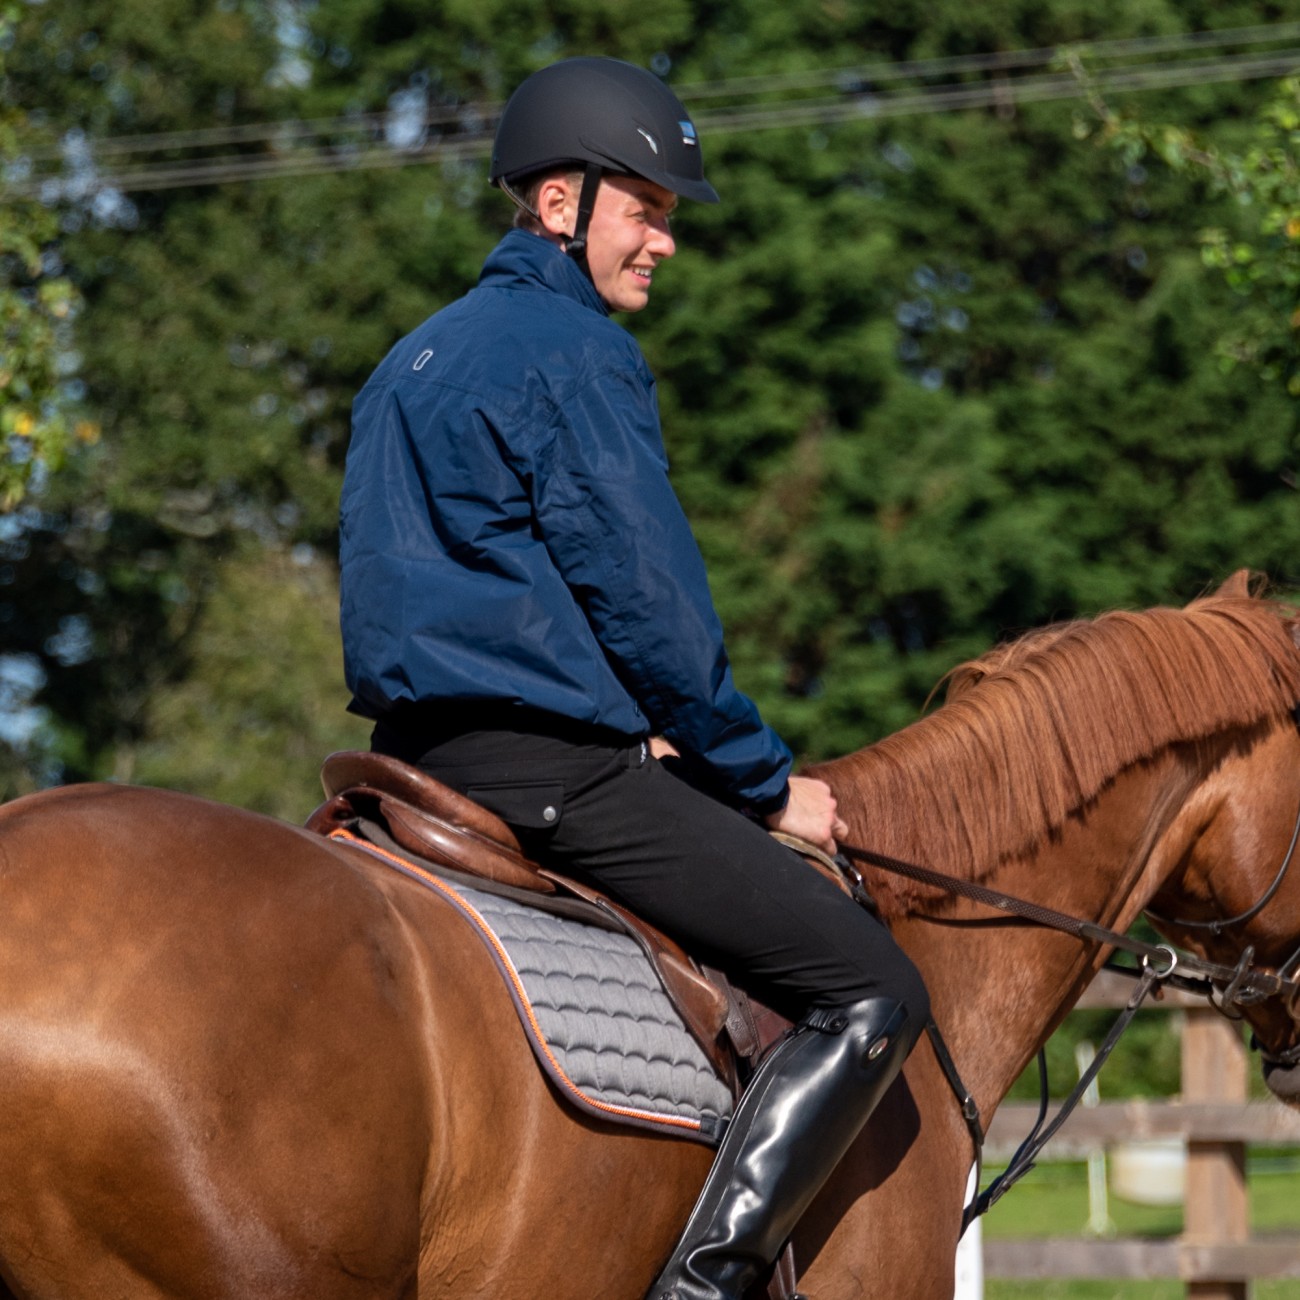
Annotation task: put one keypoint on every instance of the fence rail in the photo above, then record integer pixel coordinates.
(1224, 1264)
(1262, 1123)
(1216, 1255)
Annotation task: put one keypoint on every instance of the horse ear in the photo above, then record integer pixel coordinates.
(1236, 587)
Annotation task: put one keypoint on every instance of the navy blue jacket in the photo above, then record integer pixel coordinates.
(509, 533)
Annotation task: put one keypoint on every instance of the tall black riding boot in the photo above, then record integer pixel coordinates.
(795, 1121)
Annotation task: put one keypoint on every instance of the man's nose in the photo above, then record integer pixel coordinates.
(662, 243)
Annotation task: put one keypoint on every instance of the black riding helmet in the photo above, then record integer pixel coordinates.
(608, 116)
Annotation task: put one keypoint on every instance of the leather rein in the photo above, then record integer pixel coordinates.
(1227, 988)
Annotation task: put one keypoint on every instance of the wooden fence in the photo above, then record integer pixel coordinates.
(1216, 1255)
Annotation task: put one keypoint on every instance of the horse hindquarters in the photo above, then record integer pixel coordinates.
(207, 1070)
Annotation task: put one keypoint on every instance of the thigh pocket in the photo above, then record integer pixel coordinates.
(532, 805)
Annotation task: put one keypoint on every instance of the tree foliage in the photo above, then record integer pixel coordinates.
(1259, 253)
(37, 306)
(926, 381)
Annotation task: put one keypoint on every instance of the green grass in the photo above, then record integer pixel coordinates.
(1052, 1201)
(997, 1289)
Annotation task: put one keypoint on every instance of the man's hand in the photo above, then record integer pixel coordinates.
(810, 814)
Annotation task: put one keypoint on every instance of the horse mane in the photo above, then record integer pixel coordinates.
(1034, 730)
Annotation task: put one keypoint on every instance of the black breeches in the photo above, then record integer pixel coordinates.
(705, 874)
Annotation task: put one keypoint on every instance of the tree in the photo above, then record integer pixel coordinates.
(1258, 253)
(204, 407)
(925, 380)
(37, 307)
(933, 381)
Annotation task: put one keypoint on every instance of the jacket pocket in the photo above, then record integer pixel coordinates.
(533, 805)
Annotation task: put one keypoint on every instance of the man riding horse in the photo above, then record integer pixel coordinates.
(523, 606)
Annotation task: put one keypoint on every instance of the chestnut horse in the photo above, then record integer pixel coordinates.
(238, 1062)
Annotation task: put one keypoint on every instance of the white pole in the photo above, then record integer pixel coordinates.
(1099, 1220)
(970, 1254)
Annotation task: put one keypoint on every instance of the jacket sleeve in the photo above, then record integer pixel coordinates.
(616, 532)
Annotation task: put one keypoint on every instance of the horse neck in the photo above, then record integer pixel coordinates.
(999, 987)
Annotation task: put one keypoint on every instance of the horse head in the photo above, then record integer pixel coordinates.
(1262, 947)
(1236, 899)
(1038, 741)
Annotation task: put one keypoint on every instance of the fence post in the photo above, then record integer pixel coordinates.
(1217, 1209)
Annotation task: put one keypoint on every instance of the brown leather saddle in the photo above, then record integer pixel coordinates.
(395, 805)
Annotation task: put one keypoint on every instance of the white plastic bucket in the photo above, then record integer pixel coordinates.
(1149, 1173)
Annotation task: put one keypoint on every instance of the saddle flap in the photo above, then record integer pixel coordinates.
(708, 1003)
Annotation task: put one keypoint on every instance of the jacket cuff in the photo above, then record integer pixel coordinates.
(775, 804)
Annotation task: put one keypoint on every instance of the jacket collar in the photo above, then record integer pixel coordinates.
(524, 260)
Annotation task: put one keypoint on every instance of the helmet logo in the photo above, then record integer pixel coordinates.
(688, 133)
(649, 139)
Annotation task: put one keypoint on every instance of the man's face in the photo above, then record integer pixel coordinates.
(627, 238)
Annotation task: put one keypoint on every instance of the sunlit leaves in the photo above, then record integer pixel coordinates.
(37, 306)
(1258, 253)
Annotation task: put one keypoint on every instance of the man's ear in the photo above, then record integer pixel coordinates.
(557, 206)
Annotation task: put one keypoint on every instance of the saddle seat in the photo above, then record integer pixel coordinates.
(424, 817)
(433, 820)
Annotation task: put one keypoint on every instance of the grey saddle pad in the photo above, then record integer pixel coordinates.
(601, 1023)
(593, 1010)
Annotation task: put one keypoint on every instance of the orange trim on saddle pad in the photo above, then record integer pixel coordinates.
(657, 1121)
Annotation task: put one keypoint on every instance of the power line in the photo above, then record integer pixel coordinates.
(862, 104)
(815, 112)
(994, 61)
(286, 131)
(992, 94)
(848, 79)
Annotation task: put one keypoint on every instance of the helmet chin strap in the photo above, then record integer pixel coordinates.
(576, 244)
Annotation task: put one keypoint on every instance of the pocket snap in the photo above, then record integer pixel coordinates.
(535, 805)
